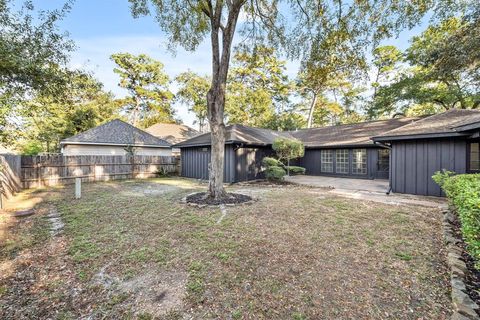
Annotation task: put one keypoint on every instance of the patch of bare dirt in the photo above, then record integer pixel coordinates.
(205, 199)
(155, 292)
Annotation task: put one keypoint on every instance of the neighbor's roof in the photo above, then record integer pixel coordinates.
(116, 132)
(346, 135)
(450, 123)
(357, 134)
(239, 134)
(172, 132)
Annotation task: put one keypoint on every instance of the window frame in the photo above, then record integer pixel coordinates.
(469, 157)
(345, 164)
(323, 162)
(364, 163)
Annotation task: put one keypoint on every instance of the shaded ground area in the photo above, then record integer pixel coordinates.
(294, 254)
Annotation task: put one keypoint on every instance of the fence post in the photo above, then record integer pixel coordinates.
(78, 188)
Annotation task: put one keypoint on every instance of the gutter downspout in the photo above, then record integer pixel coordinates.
(389, 165)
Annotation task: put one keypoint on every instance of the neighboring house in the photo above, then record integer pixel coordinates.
(420, 146)
(172, 132)
(115, 138)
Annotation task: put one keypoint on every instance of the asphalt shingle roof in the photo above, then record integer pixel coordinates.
(349, 134)
(241, 134)
(172, 132)
(117, 132)
(443, 123)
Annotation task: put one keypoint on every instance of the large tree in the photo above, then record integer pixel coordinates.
(258, 88)
(33, 57)
(192, 91)
(150, 99)
(437, 74)
(294, 25)
(48, 118)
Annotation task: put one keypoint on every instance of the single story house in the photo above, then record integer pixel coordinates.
(172, 133)
(449, 141)
(405, 150)
(115, 137)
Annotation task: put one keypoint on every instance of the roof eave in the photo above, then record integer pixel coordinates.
(420, 136)
(207, 144)
(467, 127)
(63, 142)
(336, 146)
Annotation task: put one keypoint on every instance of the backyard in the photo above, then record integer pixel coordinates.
(131, 249)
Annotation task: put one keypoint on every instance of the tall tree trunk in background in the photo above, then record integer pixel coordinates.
(216, 94)
(312, 108)
(136, 111)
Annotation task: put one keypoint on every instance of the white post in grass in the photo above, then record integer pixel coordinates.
(78, 188)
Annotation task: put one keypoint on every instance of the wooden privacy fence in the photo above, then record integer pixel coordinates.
(50, 170)
(9, 176)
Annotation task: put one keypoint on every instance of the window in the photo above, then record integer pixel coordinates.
(474, 159)
(341, 161)
(383, 160)
(326, 158)
(359, 161)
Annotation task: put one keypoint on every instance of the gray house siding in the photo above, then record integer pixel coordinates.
(413, 162)
(249, 162)
(195, 162)
(312, 163)
(241, 163)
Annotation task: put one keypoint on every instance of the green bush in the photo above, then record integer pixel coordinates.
(31, 148)
(295, 170)
(269, 162)
(463, 191)
(275, 173)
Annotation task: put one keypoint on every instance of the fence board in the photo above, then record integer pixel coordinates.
(10, 172)
(40, 171)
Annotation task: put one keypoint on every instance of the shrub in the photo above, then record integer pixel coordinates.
(275, 173)
(31, 148)
(463, 191)
(288, 149)
(295, 170)
(269, 162)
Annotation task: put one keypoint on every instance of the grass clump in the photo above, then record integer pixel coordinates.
(463, 191)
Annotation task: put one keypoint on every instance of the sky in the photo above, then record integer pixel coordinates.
(100, 28)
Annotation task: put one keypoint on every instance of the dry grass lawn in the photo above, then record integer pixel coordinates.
(130, 250)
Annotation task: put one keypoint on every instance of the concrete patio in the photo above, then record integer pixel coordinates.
(341, 183)
(372, 190)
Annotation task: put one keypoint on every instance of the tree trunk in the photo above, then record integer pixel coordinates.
(312, 108)
(216, 94)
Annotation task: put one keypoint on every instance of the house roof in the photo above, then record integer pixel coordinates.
(358, 134)
(450, 123)
(172, 132)
(116, 132)
(239, 134)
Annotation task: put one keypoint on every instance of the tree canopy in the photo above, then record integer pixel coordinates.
(33, 57)
(150, 99)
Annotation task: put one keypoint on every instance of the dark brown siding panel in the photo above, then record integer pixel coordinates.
(414, 162)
